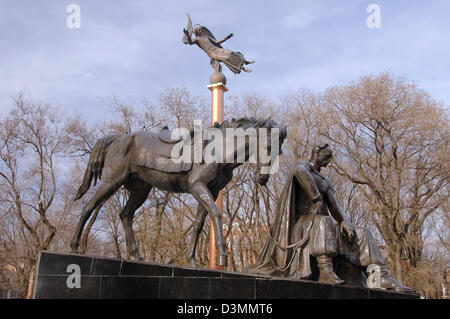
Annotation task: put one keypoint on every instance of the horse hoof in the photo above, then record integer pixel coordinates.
(137, 257)
(74, 249)
(222, 260)
(194, 263)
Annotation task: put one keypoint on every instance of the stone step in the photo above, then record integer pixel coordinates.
(102, 277)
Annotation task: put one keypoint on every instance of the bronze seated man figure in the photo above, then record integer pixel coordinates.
(303, 228)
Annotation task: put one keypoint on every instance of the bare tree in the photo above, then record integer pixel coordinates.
(30, 140)
(392, 140)
(181, 108)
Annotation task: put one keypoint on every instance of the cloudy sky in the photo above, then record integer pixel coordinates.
(133, 49)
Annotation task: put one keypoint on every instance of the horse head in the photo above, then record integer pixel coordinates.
(267, 135)
(267, 164)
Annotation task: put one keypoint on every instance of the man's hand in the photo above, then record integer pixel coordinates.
(348, 230)
(316, 206)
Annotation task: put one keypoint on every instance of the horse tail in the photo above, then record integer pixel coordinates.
(95, 164)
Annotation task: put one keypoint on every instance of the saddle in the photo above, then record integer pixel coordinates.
(154, 150)
(165, 136)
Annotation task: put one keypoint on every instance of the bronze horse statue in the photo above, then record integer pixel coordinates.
(142, 160)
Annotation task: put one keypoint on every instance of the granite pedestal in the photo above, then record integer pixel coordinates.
(108, 278)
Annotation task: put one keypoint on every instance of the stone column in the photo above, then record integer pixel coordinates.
(217, 88)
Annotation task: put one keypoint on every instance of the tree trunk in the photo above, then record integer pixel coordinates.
(397, 264)
(31, 283)
(117, 247)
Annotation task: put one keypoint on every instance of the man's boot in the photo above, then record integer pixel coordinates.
(388, 282)
(327, 274)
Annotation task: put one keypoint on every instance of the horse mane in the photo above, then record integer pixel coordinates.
(245, 122)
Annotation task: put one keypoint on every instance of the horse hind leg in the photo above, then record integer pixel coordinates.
(196, 229)
(106, 189)
(137, 198)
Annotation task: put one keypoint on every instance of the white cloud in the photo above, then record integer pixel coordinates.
(299, 19)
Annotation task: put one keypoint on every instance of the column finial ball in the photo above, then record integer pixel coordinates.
(218, 77)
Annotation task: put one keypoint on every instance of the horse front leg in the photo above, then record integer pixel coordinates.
(196, 230)
(206, 199)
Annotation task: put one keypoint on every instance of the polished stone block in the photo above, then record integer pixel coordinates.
(125, 287)
(304, 290)
(184, 288)
(106, 267)
(350, 292)
(110, 278)
(55, 287)
(232, 288)
(134, 268)
(191, 272)
(56, 264)
(274, 289)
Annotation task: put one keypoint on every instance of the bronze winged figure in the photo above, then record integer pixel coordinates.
(204, 38)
